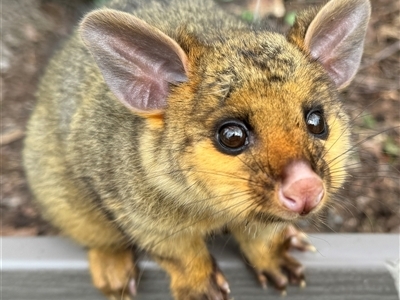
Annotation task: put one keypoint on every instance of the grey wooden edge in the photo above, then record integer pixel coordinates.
(345, 266)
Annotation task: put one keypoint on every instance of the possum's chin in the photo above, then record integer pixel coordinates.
(284, 218)
(267, 218)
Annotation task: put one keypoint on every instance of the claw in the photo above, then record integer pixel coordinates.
(126, 297)
(113, 273)
(222, 283)
(299, 240)
(132, 287)
(303, 284)
(302, 243)
(263, 281)
(225, 287)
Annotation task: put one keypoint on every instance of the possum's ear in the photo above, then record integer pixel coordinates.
(138, 61)
(334, 36)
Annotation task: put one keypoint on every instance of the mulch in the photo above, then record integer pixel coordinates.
(369, 202)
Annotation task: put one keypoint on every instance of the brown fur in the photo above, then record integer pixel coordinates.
(111, 178)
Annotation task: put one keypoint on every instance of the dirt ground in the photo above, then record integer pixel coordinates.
(370, 201)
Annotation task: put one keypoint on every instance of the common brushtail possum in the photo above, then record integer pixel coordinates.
(162, 121)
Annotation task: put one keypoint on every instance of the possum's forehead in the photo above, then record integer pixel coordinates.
(265, 72)
(267, 53)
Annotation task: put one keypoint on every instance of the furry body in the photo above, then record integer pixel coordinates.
(111, 175)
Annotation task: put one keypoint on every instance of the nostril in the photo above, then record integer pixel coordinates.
(303, 195)
(313, 201)
(301, 189)
(292, 203)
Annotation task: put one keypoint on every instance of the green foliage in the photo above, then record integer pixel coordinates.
(99, 3)
(368, 121)
(390, 147)
(248, 16)
(290, 17)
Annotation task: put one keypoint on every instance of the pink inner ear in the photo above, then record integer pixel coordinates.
(330, 36)
(144, 95)
(138, 61)
(329, 48)
(336, 37)
(149, 74)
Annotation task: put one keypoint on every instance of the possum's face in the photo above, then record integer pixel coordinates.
(246, 127)
(265, 136)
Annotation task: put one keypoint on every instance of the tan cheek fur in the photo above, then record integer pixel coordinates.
(336, 147)
(226, 178)
(196, 201)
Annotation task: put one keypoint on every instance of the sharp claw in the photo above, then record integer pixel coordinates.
(225, 288)
(222, 283)
(311, 248)
(263, 281)
(306, 242)
(302, 236)
(303, 284)
(132, 287)
(301, 242)
(264, 286)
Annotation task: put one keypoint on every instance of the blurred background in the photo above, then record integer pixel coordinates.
(31, 30)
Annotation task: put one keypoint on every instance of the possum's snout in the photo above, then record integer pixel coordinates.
(301, 189)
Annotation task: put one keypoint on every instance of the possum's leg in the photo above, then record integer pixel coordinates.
(114, 273)
(267, 252)
(193, 272)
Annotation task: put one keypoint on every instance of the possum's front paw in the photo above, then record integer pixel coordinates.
(215, 287)
(270, 257)
(281, 267)
(113, 273)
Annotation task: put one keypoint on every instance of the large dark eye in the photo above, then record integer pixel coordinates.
(316, 124)
(232, 137)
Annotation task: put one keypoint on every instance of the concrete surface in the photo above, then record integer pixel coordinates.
(345, 267)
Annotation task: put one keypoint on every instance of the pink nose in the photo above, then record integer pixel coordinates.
(301, 189)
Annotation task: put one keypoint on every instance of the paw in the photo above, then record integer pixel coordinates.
(281, 268)
(215, 288)
(113, 273)
(297, 240)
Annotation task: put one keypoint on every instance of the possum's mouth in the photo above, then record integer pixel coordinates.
(275, 211)
(283, 217)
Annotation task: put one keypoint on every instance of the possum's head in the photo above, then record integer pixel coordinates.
(247, 128)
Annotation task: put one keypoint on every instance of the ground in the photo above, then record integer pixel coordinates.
(33, 29)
